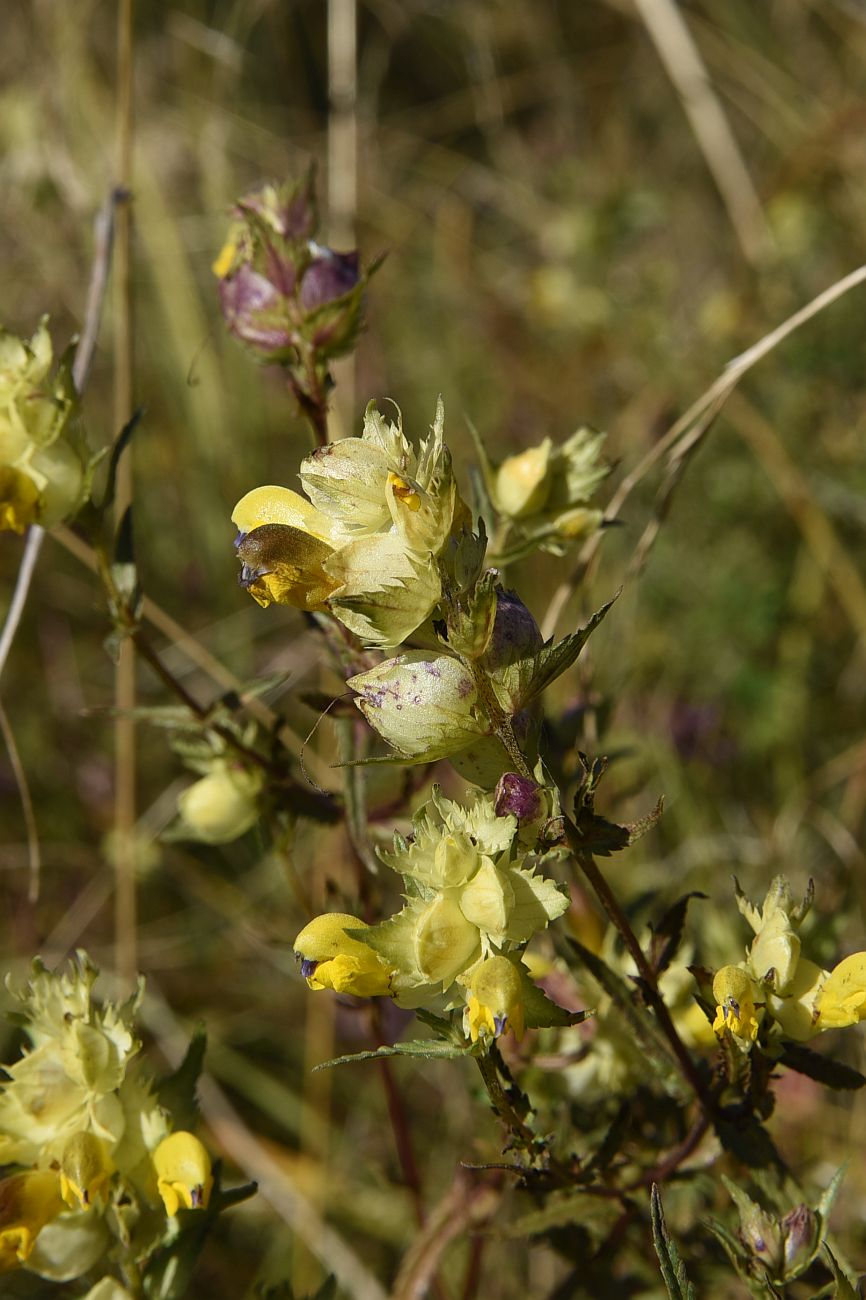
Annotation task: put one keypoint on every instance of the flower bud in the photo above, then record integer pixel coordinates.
(333, 959)
(800, 1235)
(775, 952)
(519, 796)
(183, 1172)
(522, 483)
(222, 805)
(328, 276)
(495, 1002)
(515, 633)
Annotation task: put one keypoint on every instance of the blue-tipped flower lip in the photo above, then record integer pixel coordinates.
(500, 1024)
(239, 539)
(308, 967)
(197, 1196)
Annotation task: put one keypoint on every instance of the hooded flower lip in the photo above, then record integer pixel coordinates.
(184, 1175)
(734, 992)
(495, 1001)
(333, 957)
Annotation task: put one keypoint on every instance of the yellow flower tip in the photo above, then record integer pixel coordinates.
(27, 1202)
(85, 1171)
(842, 1000)
(183, 1172)
(20, 501)
(495, 1002)
(404, 492)
(735, 1010)
(332, 959)
(225, 258)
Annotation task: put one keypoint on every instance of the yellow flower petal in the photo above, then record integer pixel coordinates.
(332, 959)
(279, 505)
(842, 1000)
(20, 500)
(183, 1172)
(735, 998)
(495, 1002)
(27, 1202)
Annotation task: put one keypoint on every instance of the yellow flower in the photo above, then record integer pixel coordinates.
(183, 1171)
(332, 959)
(522, 484)
(495, 1002)
(85, 1170)
(734, 993)
(842, 1000)
(365, 540)
(43, 458)
(797, 1011)
(27, 1202)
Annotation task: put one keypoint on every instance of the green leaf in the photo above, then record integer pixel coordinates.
(119, 446)
(673, 1269)
(831, 1191)
(833, 1074)
(540, 1012)
(667, 935)
(551, 661)
(844, 1290)
(429, 1049)
(177, 1091)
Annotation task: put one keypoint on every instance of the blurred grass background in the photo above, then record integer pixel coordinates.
(558, 253)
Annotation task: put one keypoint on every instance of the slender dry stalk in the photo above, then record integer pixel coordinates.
(343, 169)
(125, 926)
(675, 46)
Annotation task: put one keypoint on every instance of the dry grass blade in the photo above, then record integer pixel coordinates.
(714, 398)
(20, 775)
(678, 52)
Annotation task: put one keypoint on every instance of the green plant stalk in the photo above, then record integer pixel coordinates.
(617, 917)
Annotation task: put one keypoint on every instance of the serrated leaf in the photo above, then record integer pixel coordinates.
(828, 1197)
(673, 1269)
(428, 1049)
(551, 661)
(667, 935)
(574, 1207)
(844, 1290)
(445, 1029)
(833, 1074)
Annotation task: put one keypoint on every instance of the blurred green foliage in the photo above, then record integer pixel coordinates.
(557, 254)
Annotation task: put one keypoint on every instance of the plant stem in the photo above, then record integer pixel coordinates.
(502, 1103)
(617, 916)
